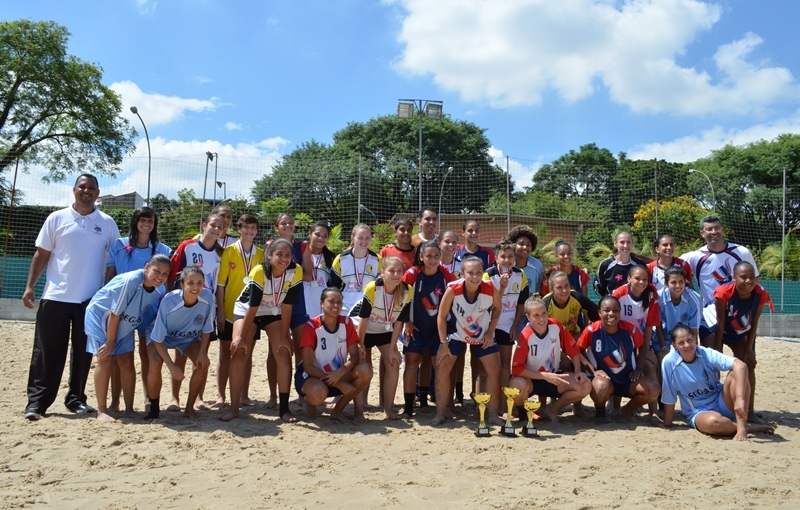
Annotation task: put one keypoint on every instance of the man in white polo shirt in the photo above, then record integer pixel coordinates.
(72, 245)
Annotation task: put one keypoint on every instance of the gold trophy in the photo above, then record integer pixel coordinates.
(482, 399)
(531, 407)
(508, 428)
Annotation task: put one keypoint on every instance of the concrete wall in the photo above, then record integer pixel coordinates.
(787, 326)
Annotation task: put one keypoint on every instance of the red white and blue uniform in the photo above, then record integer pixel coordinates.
(542, 353)
(740, 313)
(468, 320)
(614, 353)
(483, 253)
(191, 251)
(633, 310)
(657, 272)
(330, 347)
(428, 291)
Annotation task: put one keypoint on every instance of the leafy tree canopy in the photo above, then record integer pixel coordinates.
(54, 110)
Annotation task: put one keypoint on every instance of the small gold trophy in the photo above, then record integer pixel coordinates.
(531, 407)
(508, 428)
(482, 399)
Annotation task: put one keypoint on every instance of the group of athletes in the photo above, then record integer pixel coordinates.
(651, 339)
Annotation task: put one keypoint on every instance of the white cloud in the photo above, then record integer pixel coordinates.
(157, 109)
(521, 171)
(233, 126)
(203, 79)
(175, 165)
(508, 53)
(693, 147)
(146, 6)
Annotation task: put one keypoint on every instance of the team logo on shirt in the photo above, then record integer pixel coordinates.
(198, 319)
(431, 302)
(473, 332)
(515, 287)
(97, 229)
(723, 274)
(616, 360)
(335, 363)
(368, 268)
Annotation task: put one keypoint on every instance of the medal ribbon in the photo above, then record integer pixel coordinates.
(276, 297)
(359, 277)
(247, 261)
(388, 306)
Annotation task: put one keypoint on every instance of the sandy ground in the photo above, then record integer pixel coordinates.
(69, 461)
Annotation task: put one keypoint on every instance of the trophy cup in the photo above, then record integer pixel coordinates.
(482, 399)
(511, 394)
(530, 429)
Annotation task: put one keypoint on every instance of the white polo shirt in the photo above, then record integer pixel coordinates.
(77, 246)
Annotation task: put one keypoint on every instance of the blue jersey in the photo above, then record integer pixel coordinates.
(178, 325)
(125, 296)
(697, 383)
(613, 353)
(689, 311)
(124, 258)
(428, 291)
(533, 270)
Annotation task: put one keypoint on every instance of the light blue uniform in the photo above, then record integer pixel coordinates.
(178, 325)
(689, 311)
(125, 296)
(124, 260)
(696, 383)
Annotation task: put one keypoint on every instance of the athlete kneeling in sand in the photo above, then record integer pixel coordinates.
(714, 408)
(330, 367)
(184, 322)
(536, 361)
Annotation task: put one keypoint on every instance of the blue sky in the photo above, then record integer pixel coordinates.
(671, 79)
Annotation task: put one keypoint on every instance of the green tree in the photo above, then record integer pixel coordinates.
(747, 183)
(679, 218)
(771, 259)
(634, 183)
(585, 173)
(54, 110)
(383, 155)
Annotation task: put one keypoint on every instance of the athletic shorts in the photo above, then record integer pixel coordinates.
(727, 340)
(502, 337)
(545, 388)
(479, 351)
(179, 345)
(703, 331)
(121, 345)
(261, 320)
(420, 342)
(377, 339)
(298, 319)
(622, 390)
(227, 334)
(300, 378)
(718, 406)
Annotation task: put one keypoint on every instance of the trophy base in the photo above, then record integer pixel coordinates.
(482, 432)
(509, 431)
(530, 432)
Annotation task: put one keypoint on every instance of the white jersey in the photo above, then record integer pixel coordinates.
(78, 246)
(713, 269)
(468, 321)
(514, 295)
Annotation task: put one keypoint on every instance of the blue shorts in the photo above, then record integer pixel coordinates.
(121, 345)
(300, 378)
(479, 351)
(179, 345)
(704, 331)
(718, 407)
(419, 342)
(298, 319)
(622, 390)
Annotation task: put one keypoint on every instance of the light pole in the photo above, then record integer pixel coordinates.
(441, 193)
(209, 157)
(149, 159)
(216, 163)
(713, 196)
(224, 186)
(406, 108)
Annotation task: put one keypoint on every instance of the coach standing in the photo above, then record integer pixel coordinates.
(72, 244)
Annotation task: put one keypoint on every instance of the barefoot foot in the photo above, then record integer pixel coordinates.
(105, 418)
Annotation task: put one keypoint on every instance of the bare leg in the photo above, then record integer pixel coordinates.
(491, 365)
(272, 378)
(223, 369)
(237, 371)
(199, 402)
(102, 375)
(175, 402)
(116, 388)
(248, 372)
(127, 372)
(505, 364)
(198, 379)
(443, 390)
(410, 375)
(391, 376)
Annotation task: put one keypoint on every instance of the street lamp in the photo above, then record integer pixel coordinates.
(135, 111)
(406, 108)
(441, 193)
(713, 196)
(209, 157)
(224, 186)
